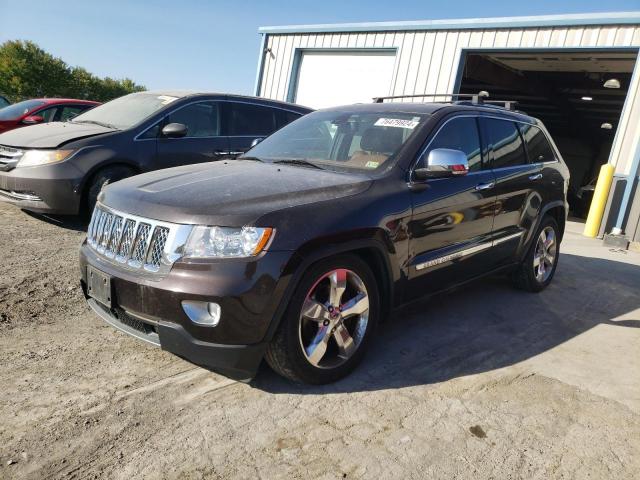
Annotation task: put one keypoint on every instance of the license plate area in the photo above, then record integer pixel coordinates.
(99, 285)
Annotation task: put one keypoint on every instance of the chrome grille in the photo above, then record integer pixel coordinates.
(156, 248)
(140, 245)
(9, 157)
(135, 243)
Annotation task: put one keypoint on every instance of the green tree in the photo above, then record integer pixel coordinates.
(27, 71)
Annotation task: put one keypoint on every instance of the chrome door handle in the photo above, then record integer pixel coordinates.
(485, 186)
(537, 176)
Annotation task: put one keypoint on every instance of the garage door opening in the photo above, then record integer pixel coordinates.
(327, 79)
(578, 95)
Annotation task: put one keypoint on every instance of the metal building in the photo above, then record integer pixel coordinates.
(578, 73)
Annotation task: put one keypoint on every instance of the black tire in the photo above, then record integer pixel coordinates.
(526, 277)
(285, 354)
(103, 177)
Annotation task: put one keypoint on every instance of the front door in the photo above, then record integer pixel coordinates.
(451, 225)
(203, 142)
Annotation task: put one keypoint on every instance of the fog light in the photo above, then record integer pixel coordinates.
(202, 313)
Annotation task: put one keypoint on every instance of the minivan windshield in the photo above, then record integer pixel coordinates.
(125, 112)
(341, 139)
(15, 111)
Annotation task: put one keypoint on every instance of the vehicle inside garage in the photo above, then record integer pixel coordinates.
(579, 95)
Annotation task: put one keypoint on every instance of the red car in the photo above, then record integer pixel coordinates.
(41, 110)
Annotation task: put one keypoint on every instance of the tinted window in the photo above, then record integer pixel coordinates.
(537, 144)
(248, 119)
(461, 134)
(201, 119)
(17, 110)
(508, 149)
(47, 114)
(71, 111)
(285, 118)
(3, 102)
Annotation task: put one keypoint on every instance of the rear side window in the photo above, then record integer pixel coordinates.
(69, 112)
(250, 120)
(537, 144)
(285, 118)
(507, 146)
(202, 119)
(461, 134)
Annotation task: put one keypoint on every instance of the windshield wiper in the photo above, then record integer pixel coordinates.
(298, 161)
(102, 124)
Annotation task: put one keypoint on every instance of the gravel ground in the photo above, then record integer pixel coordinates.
(485, 382)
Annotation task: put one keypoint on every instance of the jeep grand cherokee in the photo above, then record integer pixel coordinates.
(294, 252)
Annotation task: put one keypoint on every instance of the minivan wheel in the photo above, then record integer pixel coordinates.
(536, 271)
(329, 323)
(103, 177)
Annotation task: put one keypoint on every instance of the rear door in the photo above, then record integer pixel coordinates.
(204, 141)
(246, 122)
(450, 229)
(517, 186)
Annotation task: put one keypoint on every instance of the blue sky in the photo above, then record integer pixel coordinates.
(213, 45)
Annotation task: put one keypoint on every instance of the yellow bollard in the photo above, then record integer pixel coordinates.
(600, 195)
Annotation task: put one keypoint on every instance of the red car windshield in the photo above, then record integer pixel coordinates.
(17, 110)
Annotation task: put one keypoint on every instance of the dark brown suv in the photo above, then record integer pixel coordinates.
(295, 251)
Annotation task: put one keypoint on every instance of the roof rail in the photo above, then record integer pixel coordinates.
(476, 99)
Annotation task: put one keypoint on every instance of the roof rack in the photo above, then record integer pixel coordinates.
(459, 98)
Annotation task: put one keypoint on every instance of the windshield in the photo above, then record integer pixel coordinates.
(125, 112)
(337, 139)
(19, 109)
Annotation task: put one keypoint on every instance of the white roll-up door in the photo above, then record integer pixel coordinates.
(327, 79)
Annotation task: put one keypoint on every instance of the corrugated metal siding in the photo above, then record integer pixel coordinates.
(428, 61)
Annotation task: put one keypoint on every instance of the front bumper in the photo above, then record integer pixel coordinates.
(248, 291)
(47, 188)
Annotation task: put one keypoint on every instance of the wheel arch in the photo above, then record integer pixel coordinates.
(373, 250)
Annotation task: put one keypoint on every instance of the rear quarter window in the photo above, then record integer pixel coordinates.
(538, 146)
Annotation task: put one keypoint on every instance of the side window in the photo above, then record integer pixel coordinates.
(285, 118)
(202, 119)
(461, 134)
(47, 114)
(248, 119)
(537, 144)
(508, 149)
(70, 111)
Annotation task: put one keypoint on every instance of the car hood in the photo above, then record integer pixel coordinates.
(227, 193)
(50, 135)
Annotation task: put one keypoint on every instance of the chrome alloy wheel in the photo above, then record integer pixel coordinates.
(334, 318)
(545, 254)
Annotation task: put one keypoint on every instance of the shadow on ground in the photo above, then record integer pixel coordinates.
(68, 222)
(485, 326)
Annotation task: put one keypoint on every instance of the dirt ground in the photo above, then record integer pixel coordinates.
(486, 382)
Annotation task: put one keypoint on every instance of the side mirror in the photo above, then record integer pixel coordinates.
(174, 130)
(442, 162)
(256, 141)
(32, 119)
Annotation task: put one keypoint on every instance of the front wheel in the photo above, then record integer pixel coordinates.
(103, 177)
(329, 323)
(537, 269)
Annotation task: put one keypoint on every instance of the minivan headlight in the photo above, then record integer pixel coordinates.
(32, 158)
(226, 242)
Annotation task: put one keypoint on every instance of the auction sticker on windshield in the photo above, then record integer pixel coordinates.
(166, 99)
(396, 122)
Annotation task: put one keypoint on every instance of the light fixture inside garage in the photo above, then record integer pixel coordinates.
(606, 126)
(612, 83)
(587, 98)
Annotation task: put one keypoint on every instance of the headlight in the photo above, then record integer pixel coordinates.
(31, 158)
(226, 242)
